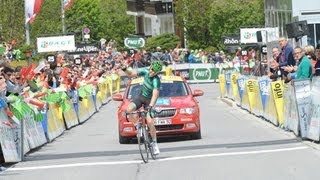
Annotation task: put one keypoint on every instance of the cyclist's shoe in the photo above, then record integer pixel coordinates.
(155, 148)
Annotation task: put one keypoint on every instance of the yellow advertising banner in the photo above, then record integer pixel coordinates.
(222, 81)
(277, 92)
(234, 86)
(250, 88)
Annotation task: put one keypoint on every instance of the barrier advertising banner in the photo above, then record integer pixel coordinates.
(222, 81)
(291, 121)
(314, 129)
(277, 91)
(303, 99)
(251, 93)
(8, 139)
(264, 85)
(234, 86)
(241, 87)
(228, 83)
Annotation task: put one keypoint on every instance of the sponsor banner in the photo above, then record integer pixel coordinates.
(228, 83)
(245, 98)
(314, 129)
(241, 87)
(70, 116)
(9, 139)
(251, 94)
(257, 107)
(232, 40)
(291, 121)
(249, 35)
(270, 111)
(201, 74)
(55, 122)
(277, 91)
(56, 43)
(303, 99)
(134, 42)
(264, 85)
(222, 81)
(234, 87)
(85, 49)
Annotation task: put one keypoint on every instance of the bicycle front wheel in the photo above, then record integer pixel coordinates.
(151, 147)
(143, 146)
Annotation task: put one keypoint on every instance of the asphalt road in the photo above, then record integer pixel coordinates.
(234, 145)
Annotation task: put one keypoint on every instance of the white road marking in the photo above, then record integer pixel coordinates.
(164, 159)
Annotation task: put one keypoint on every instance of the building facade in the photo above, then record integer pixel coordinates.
(278, 13)
(152, 17)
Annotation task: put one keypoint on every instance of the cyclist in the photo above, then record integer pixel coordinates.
(147, 98)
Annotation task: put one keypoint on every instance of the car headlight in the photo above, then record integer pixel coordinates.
(187, 110)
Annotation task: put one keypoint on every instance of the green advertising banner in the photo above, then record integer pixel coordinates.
(202, 74)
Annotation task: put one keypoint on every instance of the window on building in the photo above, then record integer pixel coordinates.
(317, 34)
(311, 38)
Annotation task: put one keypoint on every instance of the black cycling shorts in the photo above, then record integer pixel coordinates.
(141, 101)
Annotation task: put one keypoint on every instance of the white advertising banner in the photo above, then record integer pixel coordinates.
(57, 43)
(303, 97)
(249, 35)
(314, 130)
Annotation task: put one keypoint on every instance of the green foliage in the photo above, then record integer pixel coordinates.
(206, 21)
(165, 41)
(12, 21)
(105, 18)
(26, 48)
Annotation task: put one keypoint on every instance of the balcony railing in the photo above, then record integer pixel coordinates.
(135, 5)
(156, 8)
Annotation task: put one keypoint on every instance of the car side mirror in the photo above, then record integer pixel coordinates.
(197, 92)
(117, 97)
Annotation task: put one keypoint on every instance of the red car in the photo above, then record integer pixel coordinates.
(178, 112)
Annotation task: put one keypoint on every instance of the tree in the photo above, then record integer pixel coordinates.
(12, 21)
(206, 21)
(116, 24)
(165, 41)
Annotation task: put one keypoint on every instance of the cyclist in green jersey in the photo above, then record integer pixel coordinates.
(147, 98)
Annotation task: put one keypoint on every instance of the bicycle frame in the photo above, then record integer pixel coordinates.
(143, 136)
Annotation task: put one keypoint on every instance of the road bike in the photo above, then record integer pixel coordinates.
(143, 136)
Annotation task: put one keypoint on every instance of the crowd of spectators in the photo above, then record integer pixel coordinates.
(290, 63)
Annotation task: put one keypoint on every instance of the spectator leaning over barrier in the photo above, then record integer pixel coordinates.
(303, 70)
(274, 71)
(286, 55)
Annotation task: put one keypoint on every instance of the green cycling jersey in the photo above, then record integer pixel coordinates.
(149, 84)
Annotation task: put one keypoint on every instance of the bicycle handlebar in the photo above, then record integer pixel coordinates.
(138, 112)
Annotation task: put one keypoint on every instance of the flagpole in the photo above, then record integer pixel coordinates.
(62, 18)
(27, 25)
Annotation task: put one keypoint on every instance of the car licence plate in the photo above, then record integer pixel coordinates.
(162, 121)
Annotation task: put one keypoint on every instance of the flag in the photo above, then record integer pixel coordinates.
(32, 9)
(67, 4)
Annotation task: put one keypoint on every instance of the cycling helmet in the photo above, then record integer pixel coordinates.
(156, 66)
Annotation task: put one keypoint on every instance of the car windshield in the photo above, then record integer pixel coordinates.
(167, 89)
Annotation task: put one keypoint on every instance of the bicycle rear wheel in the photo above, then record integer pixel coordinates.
(143, 146)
